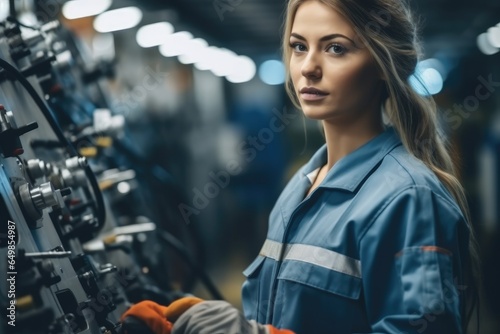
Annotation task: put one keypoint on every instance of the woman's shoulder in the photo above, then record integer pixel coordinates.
(401, 172)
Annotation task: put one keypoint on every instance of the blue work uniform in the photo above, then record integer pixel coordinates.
(378, 247)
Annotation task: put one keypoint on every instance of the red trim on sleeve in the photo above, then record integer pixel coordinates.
(436, 249)
(427, 249)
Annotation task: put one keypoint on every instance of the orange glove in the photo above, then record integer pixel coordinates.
(274, 330)
(156, 317)
(159, 319)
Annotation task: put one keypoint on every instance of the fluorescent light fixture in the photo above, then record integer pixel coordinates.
(194, 51)
(435, 64)
(183, 59)
(272, 72)
(433, 80)
(244, 70)
(484, 45)
(222, 62)
(118, 19)
(76, 9)
(493, 35)
(154, 34)
(210, 55)
(176, 44)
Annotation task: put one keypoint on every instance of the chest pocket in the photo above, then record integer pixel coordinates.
(323, 279)
(314, 297)
(252, 294)
(323, 269)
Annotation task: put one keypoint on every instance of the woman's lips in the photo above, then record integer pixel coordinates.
(312, 94)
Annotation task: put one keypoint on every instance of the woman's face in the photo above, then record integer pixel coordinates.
(334, 78)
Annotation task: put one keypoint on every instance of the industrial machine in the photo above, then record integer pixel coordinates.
(79, 239)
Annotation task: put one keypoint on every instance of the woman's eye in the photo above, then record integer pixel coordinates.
(298, 47)
(336, 49)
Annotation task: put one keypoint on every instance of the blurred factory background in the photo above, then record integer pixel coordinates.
(207, 136)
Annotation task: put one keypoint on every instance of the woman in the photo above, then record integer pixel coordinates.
(371, 235)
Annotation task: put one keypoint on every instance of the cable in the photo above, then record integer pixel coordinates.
(39, 102)
(179, 247)
(12, 19)
(100, 208)
(13, 16)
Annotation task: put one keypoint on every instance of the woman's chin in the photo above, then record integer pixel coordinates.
(316, 113)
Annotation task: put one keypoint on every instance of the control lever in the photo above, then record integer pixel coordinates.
(48, 255)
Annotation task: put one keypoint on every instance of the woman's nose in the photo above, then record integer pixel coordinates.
(311, 68)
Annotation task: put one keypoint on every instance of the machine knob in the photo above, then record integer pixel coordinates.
(76, 163)
(38, 168)
(35, 200)
(74, 179)
(44, 196)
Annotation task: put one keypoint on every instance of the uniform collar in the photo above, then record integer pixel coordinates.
(352, 169)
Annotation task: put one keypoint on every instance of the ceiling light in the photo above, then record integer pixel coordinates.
(272, 72)
(427, 82)
(76, 9)
(194, 51)
(207, 61)
(175, 44)
(244, 70)
(485, 46)
(154, 34)
(118, 19)
(222, 62)
(433, 80)
(432, 63)
(493, 35)
(123, 187)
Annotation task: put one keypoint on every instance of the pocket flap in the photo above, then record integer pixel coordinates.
(321, 278)
(252, 269)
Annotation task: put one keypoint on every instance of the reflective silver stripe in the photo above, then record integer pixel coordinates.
(271, 249)
(324, 258)
(315, 255)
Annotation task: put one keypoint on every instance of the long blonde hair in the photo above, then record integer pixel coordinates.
(387, 29)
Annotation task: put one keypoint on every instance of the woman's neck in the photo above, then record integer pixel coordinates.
(342, 139)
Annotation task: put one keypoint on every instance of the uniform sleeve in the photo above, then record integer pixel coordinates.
(411, 264)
